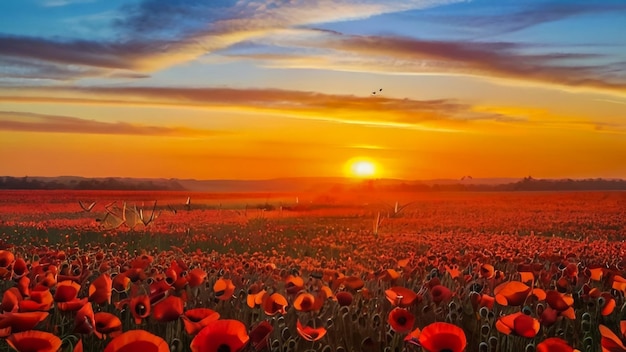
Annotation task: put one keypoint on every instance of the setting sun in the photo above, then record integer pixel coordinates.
(362, 168)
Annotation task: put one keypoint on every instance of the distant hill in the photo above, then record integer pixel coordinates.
(312, 184)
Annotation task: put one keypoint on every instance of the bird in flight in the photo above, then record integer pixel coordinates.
(374, 92)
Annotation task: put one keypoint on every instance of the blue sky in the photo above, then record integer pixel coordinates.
(254, 75)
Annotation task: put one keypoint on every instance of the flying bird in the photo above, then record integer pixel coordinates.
(85, 207)
(374, 92)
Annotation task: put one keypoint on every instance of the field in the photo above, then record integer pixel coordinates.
(312, 272)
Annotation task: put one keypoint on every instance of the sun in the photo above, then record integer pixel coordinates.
(362, 168)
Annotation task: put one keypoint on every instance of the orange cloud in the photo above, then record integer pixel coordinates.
(32, 122)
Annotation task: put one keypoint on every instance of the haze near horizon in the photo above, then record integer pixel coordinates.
(421, 89)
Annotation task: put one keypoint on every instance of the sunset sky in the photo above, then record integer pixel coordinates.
(214, 89)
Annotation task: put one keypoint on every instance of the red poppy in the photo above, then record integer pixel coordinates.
(100, 289)
(19, 268)
(221, 335)
(518, 323)
(169, 309)
(84, 321)
(304, 302)
(401, 320)
(260, 335)
(487, 271)
(196, 277)
(344, 298)
(413, 337)
(79, 346)
(255, 295)
(441, 336)
(140, 308)
(293, 284)
(511, 293)
(6, 258)
(309, 333)
(72, 305)
(107, 324)
(559, 301)
(11, 299)
(18, 322)
(121, 283)
(197, 318)
(401, 296)
(440, 293)
(137, 340)
(224, 289)
(23, 285)
(554, 344)
(66, 291)
(39, 301)
(609, 341)
(274, 304)
(34, 340)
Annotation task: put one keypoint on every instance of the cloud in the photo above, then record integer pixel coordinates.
(502, 60)
(32, 122)
(159, 33)
(347, 109)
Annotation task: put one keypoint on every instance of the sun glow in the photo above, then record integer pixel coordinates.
(361, 168)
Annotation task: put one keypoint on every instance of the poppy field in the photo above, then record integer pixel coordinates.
(178, 271)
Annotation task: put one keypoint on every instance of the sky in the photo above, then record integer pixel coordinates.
(226, 89)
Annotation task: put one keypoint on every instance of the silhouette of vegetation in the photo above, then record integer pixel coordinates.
(110, 183)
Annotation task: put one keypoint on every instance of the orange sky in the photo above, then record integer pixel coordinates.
(256, 98)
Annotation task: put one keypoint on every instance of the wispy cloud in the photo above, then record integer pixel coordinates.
(347, 109)
(32, 122)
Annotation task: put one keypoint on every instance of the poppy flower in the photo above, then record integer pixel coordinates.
(72, 305)
(66, 291)
(554, 344)
(11, 299)
(511, 293)
(100, 289)
(121, 283)
(274, 304)
(255, 295)
(344, 298)
(6, 258)
(609, 341)
(197, 318)
(107, 324)
(401, 320)
(260, 335)
(169, 309)
(440, 293)
(140, 308)
(19, 268)
(304, 302)
(137, 340)
(442, 336)
(19, 322)
(413, 337)
(34, 340)
(518, 323)
(159, 290)
(389, 275)
(401, 296)
(79, 346)
(352, 283)
(196, 277)
(309, 333)
(559, 301)
(39, 301)
(293, 284)
(224, 289)
(23, 285)
(84, 321)
(487, 271)
(221, 335)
